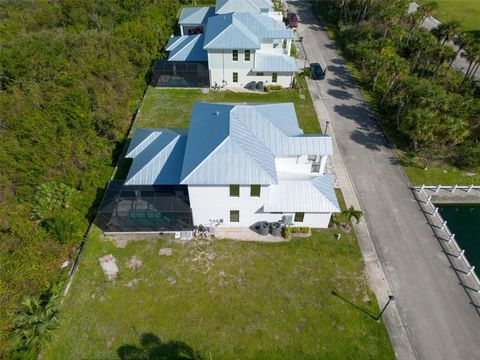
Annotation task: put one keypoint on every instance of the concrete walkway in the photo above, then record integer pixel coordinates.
(436, 319)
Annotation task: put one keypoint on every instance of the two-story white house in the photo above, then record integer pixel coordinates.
(242, 163)
(243, 41)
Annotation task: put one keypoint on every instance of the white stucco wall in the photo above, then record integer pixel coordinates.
(222, 67)
(210, 203)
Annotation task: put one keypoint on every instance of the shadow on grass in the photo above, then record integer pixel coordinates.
(334, 293)
(152, 347)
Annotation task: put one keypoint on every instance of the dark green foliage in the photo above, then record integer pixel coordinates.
(72, 73)
(424, 105)
(35, 322)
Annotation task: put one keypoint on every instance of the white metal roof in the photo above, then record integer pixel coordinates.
(315, 196)
(195, 15)
(237, 143)
(157, 157)
(228, 6)
(243, 31)
(186, 48)
(276, 63)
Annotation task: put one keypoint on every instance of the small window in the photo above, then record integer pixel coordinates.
(260, 73)
(247, 55)
(234, 216)
(299, 217)
(274, 77)
(235, 77)
(234, 55)
(235, 190)
(255, 190)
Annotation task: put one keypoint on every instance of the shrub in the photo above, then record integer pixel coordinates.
(269, 88)
(289, 230)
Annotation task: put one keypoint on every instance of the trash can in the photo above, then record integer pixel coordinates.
(263, 228)
(276, 228)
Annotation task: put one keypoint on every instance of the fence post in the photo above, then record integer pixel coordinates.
(472, 268)
(454, 188)
(461, 253)
(438, 188)
(422, 187)
(435, 212)
(451, 238)
(444, 224)
(469, 188)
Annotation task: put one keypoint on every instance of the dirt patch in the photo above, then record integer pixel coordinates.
(166, 252)
(135, 263)
(109, 266)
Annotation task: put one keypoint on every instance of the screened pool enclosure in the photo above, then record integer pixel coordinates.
(144, 208)
(180, 74)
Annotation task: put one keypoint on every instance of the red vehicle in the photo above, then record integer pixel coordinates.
(292, 20)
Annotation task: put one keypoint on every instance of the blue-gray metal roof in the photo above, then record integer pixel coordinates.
(274, 63)
(195, 15)
(186, 48)
(237, 143)
(157, 157)
(243, 31)
(229, 6)
(314, 196)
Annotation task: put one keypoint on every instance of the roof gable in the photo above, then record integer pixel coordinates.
(227, 6)
(195, 15)
(186, 48)
(156, 161)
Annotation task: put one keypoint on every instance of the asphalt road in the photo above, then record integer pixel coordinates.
(433, 306)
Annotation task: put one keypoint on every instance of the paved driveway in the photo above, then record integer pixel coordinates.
(434, 307)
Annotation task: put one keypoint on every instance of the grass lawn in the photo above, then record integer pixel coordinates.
(465, 11)
(171, 108)
(225, 300)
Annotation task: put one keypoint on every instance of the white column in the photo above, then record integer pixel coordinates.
(322, 164)
(181, 30)
(289, 46)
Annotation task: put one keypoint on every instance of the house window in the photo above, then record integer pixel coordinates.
(235, 190)
(255, 190)
(234, 55)
(235, 77)
(260, 74)
(274, 77)
(247, 55)
(299, 217)
(234, 216)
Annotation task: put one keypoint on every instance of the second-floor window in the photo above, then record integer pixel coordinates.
(235, 77)
(274, 77)
(255, 190)
(235, 190)
(247, 55)
(234, 55)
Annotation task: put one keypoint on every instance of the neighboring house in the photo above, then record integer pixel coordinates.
(242, 164)
(242, 41)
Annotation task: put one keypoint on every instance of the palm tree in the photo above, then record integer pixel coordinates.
(462, 40)
(472, 54)
(447, 31)
(352, 213)
(444, 53)
(34, 325)
(420, 125)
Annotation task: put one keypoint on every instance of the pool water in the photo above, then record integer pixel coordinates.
(464, 221)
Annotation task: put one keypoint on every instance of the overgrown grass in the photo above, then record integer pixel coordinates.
(171, 108)
(226, 300)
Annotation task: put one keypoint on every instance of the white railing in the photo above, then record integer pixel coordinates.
(451, 188)
(451, 236)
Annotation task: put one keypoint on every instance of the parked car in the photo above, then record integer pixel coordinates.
(292, 20)
(317, 72)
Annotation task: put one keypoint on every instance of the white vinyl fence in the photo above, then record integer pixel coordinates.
(451, 237)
